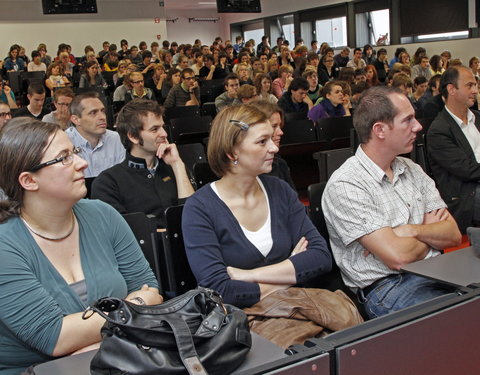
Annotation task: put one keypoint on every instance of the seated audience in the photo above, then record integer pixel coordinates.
(422, 69)
(280, 84)
(347, 94)
(314, 88)
(436, 65)
(231, 85)
(383, 212)
(44, 57)
(99, 146)
(371, 76)
(360, 75)
(36, 65)
(36, 99)
(5, 116)
(357, 62)
(433, 89)
(14, 63)
(342, 59)
(156, 81)
(296, 99)
(59, 253)
(6, 95)
(153, 176)
(454, 149)
(138, 90)
(246, 94)
(381, 64)
(239, 240)
(92, 77)
(61, 101)
(327, 71)
(244, 75)
(55, 77)
(331, 104)
(173, 78)
(263, 84)
(120, 72)
(276, 116)
(474, 64)
(419, 85)
(185, 93)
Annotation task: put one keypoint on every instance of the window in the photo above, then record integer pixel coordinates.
(373, 27)
(256, 35)
(289, 34)
(333, 31)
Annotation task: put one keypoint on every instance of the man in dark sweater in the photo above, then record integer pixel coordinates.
(295, 99)
(186, 93)
(153, 176)
(35, 109)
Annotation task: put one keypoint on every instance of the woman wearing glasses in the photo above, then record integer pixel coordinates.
(59, 253)
(247, 234)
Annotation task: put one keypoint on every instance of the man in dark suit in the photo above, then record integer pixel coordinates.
(453, 144)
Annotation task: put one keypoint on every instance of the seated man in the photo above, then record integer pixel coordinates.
(295, 99)
(5, 114)
(100, 147)
(453, 144)
(383, 212)
(186, 93)
(228, 97)
(62, 97)
(138, 90)
(36, 97)
(153, 176)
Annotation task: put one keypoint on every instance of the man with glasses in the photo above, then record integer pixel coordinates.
(62, 98)
(5, 114)
(138, 90)
(101, 147)
(186, 93)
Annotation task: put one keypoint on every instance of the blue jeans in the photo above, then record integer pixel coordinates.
(399, 291)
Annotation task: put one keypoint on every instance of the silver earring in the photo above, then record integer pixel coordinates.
(235, 162)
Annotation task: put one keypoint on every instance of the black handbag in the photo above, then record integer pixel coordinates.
(194, 333)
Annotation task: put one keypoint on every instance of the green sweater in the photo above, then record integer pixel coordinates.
(35, 297)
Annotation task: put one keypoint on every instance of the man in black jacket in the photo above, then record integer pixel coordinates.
(453, 143)
(153, 176)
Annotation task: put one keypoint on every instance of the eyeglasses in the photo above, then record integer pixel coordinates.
(5, 114)
(66, 159)
(140, 81)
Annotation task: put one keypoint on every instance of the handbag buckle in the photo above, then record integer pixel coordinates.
(88, 313)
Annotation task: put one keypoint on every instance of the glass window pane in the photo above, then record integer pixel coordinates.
(288, 31)
(256, 35)
(373, 27)
(454, 35)
(333, 31)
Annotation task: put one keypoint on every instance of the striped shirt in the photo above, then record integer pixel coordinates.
(359, 199)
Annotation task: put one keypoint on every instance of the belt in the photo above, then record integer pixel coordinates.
(372, 286)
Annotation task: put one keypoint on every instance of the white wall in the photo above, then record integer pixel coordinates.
(24, 23)
(183, 31)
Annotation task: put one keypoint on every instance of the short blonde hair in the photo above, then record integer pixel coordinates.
(225, 135)
(285, 68)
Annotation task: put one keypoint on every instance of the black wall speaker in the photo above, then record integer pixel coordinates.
(239, 6)
(69, 6)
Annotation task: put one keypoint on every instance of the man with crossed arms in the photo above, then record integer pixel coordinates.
(383, 212)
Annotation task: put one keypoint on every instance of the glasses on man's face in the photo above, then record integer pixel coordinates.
(5, 114)
(65, 159)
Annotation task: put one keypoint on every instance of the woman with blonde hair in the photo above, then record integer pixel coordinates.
(247, 234)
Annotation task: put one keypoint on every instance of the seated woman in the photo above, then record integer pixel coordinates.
(331, 104)
(247, 235)
(172, 79)
(156, 81)
(92, 77)
(14, 63)
(263, 84)
(55, 77)
(59, 253)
